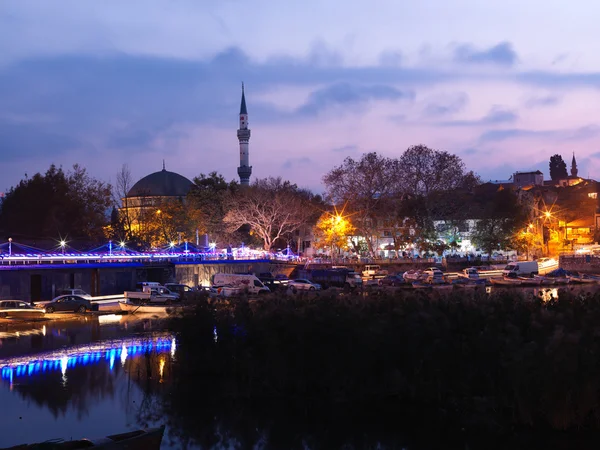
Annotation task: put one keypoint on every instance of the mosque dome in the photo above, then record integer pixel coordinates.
(161, 184)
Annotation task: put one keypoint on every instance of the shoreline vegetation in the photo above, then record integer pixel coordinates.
(451, 369)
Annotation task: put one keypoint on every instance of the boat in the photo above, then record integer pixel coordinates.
(468, 283)
(545, 281)
(505, 281)
(149, 439)
(587, 279)
(526, 281)
(147, 308)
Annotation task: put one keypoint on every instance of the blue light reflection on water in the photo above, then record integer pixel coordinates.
(84, 358)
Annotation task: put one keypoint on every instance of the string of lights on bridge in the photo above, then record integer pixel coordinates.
(17, 253)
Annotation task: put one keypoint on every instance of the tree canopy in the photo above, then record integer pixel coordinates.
(558, 168)
(271, 207)
(57, 205)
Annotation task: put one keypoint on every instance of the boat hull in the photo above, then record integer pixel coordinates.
(505, 281)
(147, 309)
(149, 439)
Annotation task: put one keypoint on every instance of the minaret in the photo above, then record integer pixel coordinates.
(243, 134)
(573, 166)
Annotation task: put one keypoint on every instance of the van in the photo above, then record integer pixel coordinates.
(245, 281)
(371, 270)
(521, 268)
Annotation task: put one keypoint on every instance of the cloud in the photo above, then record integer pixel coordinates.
(390, 58)
(542, 101)
(577, 134)
(349, 96)
(496, 115)
(446, 105)
(345, 149)
(21, 141)
(294, 163)
(501, 54)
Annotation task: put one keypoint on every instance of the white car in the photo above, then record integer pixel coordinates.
(19, 309)
(303, 284)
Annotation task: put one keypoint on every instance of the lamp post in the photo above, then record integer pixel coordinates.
(110, 248)
(9, 246)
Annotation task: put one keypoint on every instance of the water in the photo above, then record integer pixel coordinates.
(81, 378)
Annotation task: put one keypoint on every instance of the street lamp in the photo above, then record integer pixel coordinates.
(63, 244)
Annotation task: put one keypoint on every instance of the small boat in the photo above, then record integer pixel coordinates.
(505, 281)
(582, 279)
(468, 283)
(525, 281)
(545, 281)
(149, 439)
(147, 308)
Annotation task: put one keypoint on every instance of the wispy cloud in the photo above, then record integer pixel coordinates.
(294, 163)
(447, 104)
(576, 134)
(542, 101)
(497, 115)
(346, 149)
(501, 54)
(347, 95)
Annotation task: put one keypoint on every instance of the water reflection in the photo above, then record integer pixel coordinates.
(81, 392)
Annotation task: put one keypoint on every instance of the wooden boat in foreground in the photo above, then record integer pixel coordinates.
(149, 439)
(505, 281)
(147, 308)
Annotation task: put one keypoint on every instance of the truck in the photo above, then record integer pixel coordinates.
(152, 294)
(338, 277)
(521, 268)
(241, 281)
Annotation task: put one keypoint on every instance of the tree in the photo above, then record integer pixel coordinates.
(424, 171)
(271, 207)
(333, 230)
(57, 204)
(500, 218)
(364, 186)
(123, 184)
(208, 200)
(558, 168)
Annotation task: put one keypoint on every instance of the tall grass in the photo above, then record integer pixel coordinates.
(478, 362)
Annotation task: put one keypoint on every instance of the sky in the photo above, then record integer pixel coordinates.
(503, 84)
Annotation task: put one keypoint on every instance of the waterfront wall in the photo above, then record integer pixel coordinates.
(199, 274)
(580, 263)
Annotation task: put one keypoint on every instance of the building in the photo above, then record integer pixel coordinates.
(149, 193)
(521, 179)
(243, 134)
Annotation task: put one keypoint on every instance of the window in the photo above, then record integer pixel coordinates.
(593, 195)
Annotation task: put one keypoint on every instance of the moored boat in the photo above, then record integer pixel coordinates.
(505, 281)
(412, 275)
(525, 281)
(545, 281)
(149, 439)
(147, 308)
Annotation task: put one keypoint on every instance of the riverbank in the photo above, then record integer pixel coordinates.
(497, 366)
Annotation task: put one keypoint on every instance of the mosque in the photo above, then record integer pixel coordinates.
(164, 186)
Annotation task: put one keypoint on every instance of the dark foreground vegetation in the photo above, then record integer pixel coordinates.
(400, 370)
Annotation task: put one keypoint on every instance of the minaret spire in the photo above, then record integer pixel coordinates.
(243, 134)
(574, 166)
(164, 164)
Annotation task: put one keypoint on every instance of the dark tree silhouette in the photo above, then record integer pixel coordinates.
(558, 168)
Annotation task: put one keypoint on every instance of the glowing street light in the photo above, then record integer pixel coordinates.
(63, 245)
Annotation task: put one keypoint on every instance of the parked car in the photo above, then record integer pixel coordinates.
(180, 289)
(303, 284)
(78, 292)
(19, 309)
(73, 303)
(392, 280)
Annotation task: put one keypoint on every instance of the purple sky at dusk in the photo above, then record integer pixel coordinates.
(505, 85)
